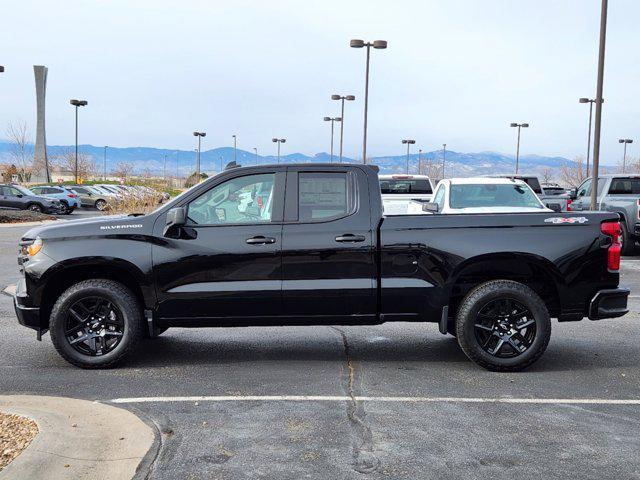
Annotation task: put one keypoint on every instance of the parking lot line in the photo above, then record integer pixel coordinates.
(341, 398)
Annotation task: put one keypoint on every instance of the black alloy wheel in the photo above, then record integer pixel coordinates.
(505, 328)
(94, 326)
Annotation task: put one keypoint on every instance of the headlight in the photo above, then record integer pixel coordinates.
(35, 247)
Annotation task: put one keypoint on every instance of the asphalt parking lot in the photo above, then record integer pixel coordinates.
(391, 401)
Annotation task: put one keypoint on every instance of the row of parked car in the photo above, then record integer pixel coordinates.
(414, 194)
(64, 199)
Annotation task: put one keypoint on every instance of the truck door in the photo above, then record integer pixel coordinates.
(228, 265)
(328, 246)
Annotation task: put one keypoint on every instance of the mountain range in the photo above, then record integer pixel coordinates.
(152, 160)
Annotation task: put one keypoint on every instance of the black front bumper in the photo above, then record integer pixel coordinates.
(610, 303)
(28, 315)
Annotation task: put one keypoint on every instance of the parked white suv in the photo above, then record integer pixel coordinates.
(406, 187)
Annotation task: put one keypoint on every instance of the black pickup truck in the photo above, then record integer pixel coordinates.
(310, 245)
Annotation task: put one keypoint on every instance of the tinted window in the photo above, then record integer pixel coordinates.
(481, 195)
(625, 186)
(532, 182)
(247, 199)
(398, 186)
(322, 196)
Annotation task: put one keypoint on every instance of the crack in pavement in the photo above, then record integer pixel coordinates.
(364, 457)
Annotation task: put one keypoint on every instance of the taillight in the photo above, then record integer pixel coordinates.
(568, 205)
(71, 195)
(612, 229)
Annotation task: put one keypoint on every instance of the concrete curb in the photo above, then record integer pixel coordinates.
(78, 439)
(27, 224)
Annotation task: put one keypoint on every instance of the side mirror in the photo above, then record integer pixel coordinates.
(19, 195)
(430, 207)
(176, 217)
(573, 193)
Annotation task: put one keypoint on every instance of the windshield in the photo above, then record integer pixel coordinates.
(399, 186)
(482, 195)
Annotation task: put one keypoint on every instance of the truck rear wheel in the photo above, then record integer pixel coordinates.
(628, 243)
(503, 326)
(95, 323)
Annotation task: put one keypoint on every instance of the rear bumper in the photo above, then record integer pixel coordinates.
(28, 316)
(610, 303)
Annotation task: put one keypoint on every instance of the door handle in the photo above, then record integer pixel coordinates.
(350, 238)
(260, 240)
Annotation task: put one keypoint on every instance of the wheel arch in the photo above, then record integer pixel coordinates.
(536, 272)
(72, 271)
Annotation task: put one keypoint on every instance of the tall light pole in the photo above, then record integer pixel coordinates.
(444, 157)
(590, 101)
(255, 149)
(625, 141)
(77, 103)
(332, 120)
(235, 144)
(279, 141)
(599, 89)
(104, 177)
(380, 45)
(164, 168)
(342, 98)
(519, 126)
(419, 161)
(408, 143)
(199, 135)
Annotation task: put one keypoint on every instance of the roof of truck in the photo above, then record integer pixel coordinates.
(484, 181)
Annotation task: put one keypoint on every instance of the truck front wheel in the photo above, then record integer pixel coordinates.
(503, 326)
(95, 323)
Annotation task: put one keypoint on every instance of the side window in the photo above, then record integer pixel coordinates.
(247, 199)
(14, 191)
(534, 184)
(439, 198)
(324, 196)
(585, 188)
(37, 190)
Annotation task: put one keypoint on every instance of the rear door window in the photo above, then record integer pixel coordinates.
(625, 186)
(324, 196)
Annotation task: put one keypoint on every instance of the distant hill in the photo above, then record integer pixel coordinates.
(153, 160)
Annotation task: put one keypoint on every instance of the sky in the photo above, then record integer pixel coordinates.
(455, 72)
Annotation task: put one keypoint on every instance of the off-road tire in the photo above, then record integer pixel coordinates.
(115, 293)
(474, 302)
(628, 243)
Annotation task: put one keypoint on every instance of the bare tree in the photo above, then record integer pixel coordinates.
(123, 170)
(547, 176)
(67, 161)
(21, 151)
(573, 174)
(632, 165)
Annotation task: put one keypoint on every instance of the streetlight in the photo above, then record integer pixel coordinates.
(408, 143)
(625, 141)
(342, 98)
(279, 141)
(235, 139)
(419, 161)
(444, 156)
(105, 162)
(77, 103)
(519, 125)
(256, 150)
(380, 45)
(332, 120)
(590, 101)
(177, 166)
(199, 135)
(164, 169)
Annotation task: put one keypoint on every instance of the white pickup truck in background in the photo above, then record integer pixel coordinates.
(418, 188)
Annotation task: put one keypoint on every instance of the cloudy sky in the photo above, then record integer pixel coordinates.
(456, 71)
